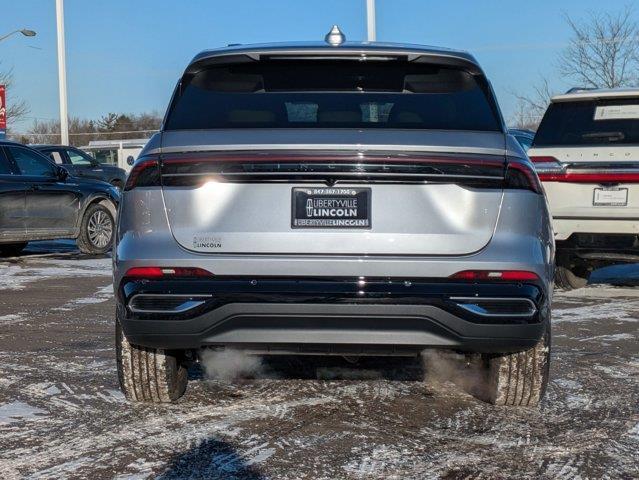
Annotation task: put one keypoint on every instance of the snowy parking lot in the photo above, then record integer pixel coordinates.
(62, 415)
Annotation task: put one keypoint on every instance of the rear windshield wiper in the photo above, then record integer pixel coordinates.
(610, 136)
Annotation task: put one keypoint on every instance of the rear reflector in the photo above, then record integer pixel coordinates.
(507, 275)
(166, 272)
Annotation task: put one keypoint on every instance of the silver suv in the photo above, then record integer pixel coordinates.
(351, 199)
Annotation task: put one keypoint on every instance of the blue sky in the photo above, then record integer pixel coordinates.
(125, 56)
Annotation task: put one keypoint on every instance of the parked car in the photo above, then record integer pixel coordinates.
(121, 153)
(307, 201)
(81, 164)
(524, 137)
(586, 152)
(39, 200)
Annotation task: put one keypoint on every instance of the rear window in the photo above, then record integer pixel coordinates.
(333, 94)
(602, 122)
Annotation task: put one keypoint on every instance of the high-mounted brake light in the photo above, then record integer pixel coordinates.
(506, 275)
(145, 173)
(166, 272)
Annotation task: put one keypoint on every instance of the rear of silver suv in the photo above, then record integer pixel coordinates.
(362, 199)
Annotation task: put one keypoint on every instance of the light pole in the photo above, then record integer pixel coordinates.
(370, 21)
(62, 73)
(24, 31)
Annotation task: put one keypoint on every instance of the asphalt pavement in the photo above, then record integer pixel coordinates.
(62, 415)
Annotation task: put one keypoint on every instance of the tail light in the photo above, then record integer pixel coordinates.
(599, 177)
(193, 169)
(550, 169)
(520, 175)
(145, 173)
(167, 272)
(487, 275)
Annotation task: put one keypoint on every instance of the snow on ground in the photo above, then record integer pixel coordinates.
(16, 276)
(62, 415)
(13, 412)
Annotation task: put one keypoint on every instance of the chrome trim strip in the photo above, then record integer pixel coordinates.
(478, 300)
(189, 303)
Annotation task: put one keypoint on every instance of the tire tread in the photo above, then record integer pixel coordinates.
(148, 374)
(519, 379)
(83, 242)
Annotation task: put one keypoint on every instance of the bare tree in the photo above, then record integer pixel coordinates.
(44, 131)
(17, 109)
(603, 52)
(82, 131)
(523, 119)
(531, 108)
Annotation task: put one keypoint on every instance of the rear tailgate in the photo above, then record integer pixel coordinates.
(585, 153)
(410, 203)
(333, 151)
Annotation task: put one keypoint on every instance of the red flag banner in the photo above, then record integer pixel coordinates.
(3, 108)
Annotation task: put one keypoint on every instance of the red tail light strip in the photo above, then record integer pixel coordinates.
(465, 169)
(550, 169)
(590, 177)
(270, 157)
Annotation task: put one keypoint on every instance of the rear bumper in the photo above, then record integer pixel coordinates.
(564, 226)
(348, 316)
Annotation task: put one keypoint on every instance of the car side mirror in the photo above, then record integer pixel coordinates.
(61, 173)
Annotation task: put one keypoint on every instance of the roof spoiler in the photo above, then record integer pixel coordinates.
(253, 56)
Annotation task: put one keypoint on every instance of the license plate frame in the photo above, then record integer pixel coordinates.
(610, 197)
(331, 208)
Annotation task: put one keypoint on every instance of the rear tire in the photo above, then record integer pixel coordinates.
(570, 275)
(148, 374)
(519, 379)
(11, 249)
(96, 230)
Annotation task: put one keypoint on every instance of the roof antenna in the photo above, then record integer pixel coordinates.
(335, 37)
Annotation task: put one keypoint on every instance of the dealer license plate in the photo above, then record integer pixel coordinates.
(328, 207)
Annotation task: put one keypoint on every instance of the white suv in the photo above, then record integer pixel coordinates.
(586, 153)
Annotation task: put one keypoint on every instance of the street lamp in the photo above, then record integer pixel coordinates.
(62, 73)
(24, 31)
(371, 30)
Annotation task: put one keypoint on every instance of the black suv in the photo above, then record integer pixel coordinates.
(81, 164)
(39, 200)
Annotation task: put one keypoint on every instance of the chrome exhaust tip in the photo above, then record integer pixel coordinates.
(165, 303)
(497, 307)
